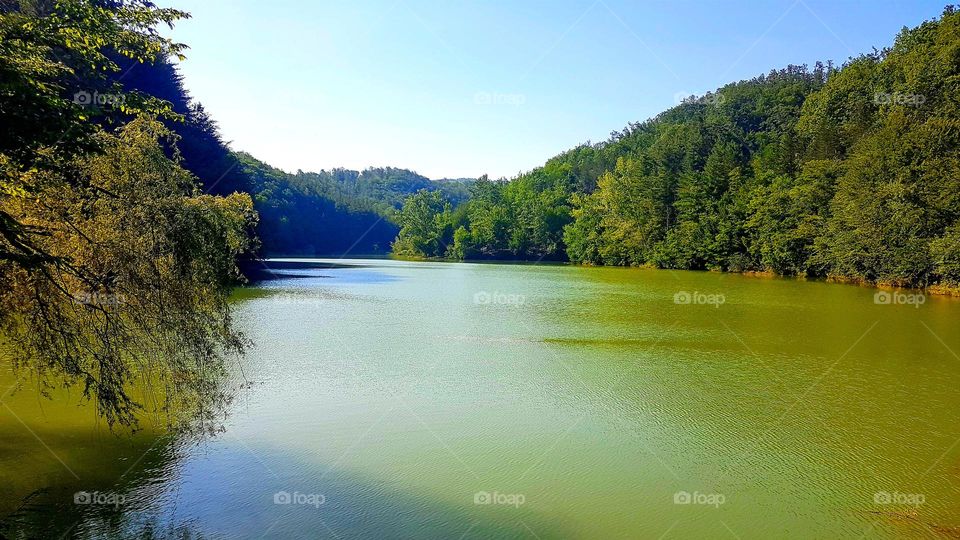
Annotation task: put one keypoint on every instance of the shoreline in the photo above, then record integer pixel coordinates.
(936, 289)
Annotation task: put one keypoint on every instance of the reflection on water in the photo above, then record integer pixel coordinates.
(387, 401)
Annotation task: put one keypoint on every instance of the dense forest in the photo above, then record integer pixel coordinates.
(851, 173)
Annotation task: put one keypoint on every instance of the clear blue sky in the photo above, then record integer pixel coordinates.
(463, 88)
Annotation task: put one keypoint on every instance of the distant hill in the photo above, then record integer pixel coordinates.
(326, 213)
(383, 189)
(338, 212)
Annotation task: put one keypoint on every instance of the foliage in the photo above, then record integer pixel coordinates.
(48, 53)
(303, 214)
(500, 220)
(425, 226)
(114, 266)
(143, 266)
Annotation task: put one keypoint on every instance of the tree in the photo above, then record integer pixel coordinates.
(115, 267)
(46, 49)
(425, 226)
(141, 267)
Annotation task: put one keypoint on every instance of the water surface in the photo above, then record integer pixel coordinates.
(427, 400)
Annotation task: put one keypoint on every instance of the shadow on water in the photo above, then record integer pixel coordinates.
(221, 489)
(59, 505)
(278, 270)
(268, 269)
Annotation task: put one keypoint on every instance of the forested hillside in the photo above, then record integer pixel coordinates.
(337, 212)
(851, 173)
(306, 213)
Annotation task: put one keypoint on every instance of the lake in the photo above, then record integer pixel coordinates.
(389, 399)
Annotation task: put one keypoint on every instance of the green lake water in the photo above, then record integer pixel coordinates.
(393, 399)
